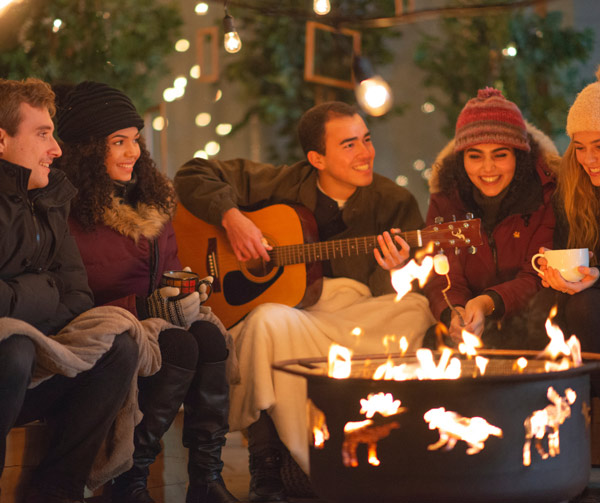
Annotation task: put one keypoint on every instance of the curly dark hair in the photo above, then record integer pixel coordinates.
(453, 180)
(84, 165)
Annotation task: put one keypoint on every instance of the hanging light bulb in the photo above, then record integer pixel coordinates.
(232, 40)
(321, 7)
(373, 93)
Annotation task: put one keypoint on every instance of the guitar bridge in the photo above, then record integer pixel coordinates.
(212, 265)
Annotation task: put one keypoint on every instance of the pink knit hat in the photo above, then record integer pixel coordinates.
(490, 118)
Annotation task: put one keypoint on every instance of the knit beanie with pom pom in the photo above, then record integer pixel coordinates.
(490, 118)
(584, 114)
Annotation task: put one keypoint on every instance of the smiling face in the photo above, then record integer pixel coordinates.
(587, 152)
(348, 159)
(490, 166)
(123, 152)
(32, 146)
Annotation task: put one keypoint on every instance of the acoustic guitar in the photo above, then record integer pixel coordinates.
(293, 275)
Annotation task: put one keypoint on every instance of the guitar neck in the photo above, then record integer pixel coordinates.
(337, 248)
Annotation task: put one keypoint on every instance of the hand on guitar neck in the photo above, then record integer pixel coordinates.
(390, 257)
(245, 238)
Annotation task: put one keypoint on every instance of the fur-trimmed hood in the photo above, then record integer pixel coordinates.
(546, 145)
(143, 220)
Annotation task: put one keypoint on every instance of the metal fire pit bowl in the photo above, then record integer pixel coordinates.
(409, 472)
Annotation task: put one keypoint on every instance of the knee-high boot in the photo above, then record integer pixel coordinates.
(205, 424)
(160, 397)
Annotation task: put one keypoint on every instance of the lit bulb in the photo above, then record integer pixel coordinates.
(321, 7)
(372, 92)
(232, 40)
(374, 96)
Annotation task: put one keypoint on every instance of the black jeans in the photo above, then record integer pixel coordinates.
(78, 410)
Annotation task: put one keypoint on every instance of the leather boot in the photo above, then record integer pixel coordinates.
(160, 397)
(205, 424)
(265, 476)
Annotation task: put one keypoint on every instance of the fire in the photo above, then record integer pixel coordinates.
(547, 422)
(558, 346)
(453, 427)
(383, 403)
(340, 364)
(317, 424)
(520, 364)
(470, 344)
(403, 277)
(403, 345)
(447, 368)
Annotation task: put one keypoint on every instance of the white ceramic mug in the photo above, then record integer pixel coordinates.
(565, 261)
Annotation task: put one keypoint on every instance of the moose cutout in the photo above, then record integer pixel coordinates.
(547, 422)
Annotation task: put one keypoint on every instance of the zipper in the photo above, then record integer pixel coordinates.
(492, 243)
(38, 237)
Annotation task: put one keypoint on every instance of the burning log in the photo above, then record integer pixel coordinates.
(363, 432)
(547, 421)
(453, 427)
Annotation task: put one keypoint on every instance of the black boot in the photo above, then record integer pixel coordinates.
(265, 449)
(205, 424)
(160, 397)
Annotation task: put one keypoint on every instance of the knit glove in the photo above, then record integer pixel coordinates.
(180, 312)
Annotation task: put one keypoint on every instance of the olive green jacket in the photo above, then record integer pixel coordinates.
(209, 188)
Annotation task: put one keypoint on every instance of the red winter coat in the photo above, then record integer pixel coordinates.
(502, 264)
(119, 255)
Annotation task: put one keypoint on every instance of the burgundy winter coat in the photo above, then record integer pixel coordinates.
(126, 256)
(502, 264)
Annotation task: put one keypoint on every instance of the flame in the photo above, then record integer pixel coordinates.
(317, 424)
(351, 426)
(481, 363)
(403, 345)
(558, 346)
(546, 422)
(383, 403)
(446, 368)
(520, 364)
(453, 427)
(403, 277)
(470, 344)
(340, 364)
(373, 459)
(357, 331)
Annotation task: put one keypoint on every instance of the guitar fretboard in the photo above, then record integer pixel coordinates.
(337, 248)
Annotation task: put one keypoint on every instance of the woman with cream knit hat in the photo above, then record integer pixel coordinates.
(578, 218)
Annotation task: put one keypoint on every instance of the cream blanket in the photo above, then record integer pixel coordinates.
(75, 349)
(274, 332)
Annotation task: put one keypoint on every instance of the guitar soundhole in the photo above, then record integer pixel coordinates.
(259, 268)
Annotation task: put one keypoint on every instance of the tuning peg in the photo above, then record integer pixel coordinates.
(438, 220)
(456, 251)
(469, 216)
(472, 250)
(454, 218)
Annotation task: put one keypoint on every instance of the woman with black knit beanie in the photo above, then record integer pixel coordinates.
(121, 220)
(500, 169)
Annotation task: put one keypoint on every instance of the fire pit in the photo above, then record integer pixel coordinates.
(532, 442)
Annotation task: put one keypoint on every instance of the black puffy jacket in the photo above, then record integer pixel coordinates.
(42, 278)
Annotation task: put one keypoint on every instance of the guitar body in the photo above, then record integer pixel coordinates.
(238, 287)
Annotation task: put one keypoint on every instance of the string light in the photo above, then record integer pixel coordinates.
(321, 7)
(232, 40)
(372, 92)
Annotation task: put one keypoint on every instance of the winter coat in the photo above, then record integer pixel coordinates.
(42, 278)
(126, 255)
(501, 266)
(209, 188)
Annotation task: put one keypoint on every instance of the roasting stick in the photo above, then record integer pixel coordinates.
(441, 266)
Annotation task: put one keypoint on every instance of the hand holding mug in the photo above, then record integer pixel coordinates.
(567, 271)
(188, 282)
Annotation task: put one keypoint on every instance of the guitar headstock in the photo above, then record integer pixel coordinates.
(454, 235)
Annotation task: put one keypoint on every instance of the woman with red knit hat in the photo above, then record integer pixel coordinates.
(578, 223)
(500, 169)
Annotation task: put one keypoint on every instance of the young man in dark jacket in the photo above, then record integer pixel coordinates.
(43, 283)
(349, 201)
